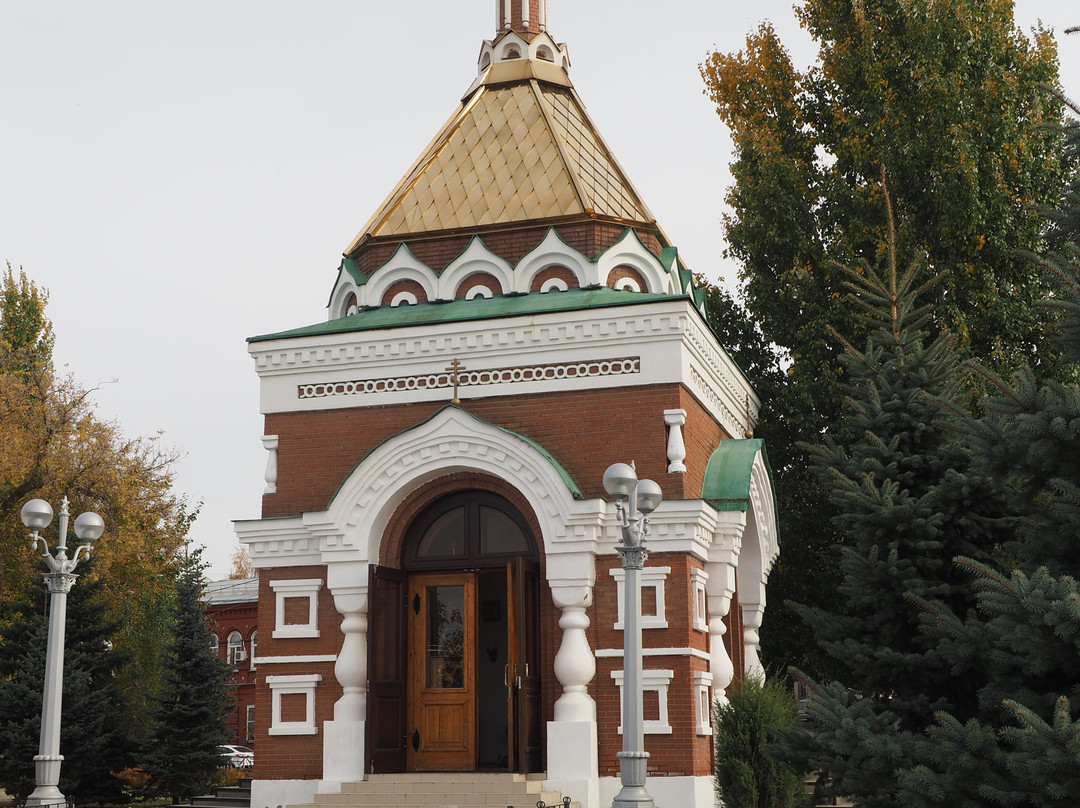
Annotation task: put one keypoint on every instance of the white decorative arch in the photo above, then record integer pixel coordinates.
(401, 266)
(475, 258)
(552, 251)
(344, 288)
(629, 251)
(451, 441)
(760, 548)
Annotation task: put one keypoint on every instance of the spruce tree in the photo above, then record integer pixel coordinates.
(190, 711)
(1023, 748)
(908, 502)
(93, 740)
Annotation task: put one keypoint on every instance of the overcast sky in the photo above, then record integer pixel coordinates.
(183, 175)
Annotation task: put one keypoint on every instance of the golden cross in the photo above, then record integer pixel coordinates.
(454, 367)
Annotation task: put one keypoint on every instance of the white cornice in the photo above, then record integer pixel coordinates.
(667, 339)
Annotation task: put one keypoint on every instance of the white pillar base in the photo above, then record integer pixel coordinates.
(573, 761)
(343, 751)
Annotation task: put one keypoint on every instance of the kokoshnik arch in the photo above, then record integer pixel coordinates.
(438, 583)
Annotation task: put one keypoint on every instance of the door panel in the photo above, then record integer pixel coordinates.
(387, 671)
(524, 580)
(442, 689)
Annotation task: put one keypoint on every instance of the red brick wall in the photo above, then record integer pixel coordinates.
(406, 285)
(684, 752)
(585, 431)
(285, 757)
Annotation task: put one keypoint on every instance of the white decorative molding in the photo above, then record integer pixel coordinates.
(654, 578)
(698, 603)
(303, 589)
(629, 251)
(475, 258)
(703, 702)
(303, 684)
(305, 659)
(475, 378)
(656, 681)
(616, 653)
(401, 266)
(270, 443)
(676, 448)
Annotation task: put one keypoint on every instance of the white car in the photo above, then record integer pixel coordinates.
(239, 757)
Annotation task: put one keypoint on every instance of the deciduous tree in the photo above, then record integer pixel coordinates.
(949, 97)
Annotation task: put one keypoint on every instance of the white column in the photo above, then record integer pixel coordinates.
(752, 613)
(270, 443)
(676, 448)
(343, 738)
(525, 15)
(719, 588)
(573, 756)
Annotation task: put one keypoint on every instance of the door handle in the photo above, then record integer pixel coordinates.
(506, 674)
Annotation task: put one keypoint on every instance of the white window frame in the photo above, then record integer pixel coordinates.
(657, 681)
(703, 701)
(283, 685)
(700, 603)
(249, 723)
(302, 588)
(651, 577)
(254, 643)
(234, 648)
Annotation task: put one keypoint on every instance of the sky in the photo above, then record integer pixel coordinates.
(183, 175)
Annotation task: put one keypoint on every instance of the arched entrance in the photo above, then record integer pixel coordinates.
(458, 670)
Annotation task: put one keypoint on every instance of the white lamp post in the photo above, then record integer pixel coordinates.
(37, 514)
(634, 501)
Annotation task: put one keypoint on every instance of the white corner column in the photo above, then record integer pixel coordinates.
(722, 569)
(344, 736)
(573, 761)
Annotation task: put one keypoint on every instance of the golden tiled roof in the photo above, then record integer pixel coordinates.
(513, 152)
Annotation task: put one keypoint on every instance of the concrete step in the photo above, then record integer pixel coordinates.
(443, 790)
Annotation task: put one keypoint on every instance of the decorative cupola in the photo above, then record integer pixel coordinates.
(521, 36)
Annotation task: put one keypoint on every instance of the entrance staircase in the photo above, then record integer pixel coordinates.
(443, 790)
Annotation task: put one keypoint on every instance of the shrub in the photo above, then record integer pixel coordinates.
(746, 773)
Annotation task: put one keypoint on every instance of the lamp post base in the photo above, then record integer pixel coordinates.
(47, 769)
(632, 768)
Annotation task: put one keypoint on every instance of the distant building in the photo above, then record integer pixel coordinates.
(233, 606)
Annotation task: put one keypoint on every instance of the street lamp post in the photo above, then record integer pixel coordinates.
(37, 514)
(634, 501)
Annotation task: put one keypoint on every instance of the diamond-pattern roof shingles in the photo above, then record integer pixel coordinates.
(503, 159)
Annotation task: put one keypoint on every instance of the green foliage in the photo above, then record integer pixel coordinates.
(747, 775)
(93, 740)
(1000, 673)
(53, 444)
(189, 714)
(26, 336)
(948, 96)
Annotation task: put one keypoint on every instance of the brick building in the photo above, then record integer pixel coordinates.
(232, 606)
(438, 585)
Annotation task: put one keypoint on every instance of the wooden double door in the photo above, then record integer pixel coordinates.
(454, 668)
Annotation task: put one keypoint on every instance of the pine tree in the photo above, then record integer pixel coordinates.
(908, 503)
(190, 711)
(94, 743)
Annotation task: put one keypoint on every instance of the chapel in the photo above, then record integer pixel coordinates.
(439, 589)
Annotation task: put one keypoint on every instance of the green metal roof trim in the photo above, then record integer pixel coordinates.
(569, 481)
(491, 308)
(727, 476)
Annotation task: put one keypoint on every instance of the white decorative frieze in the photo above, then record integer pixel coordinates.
(473, 378)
